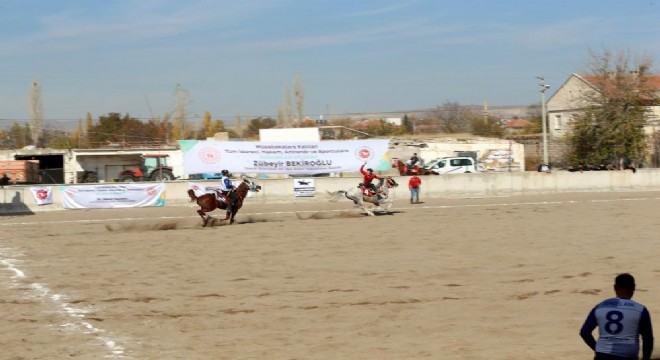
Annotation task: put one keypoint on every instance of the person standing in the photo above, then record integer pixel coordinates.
(413, 185)
(620, 321)
(4, 180)
(227, 188)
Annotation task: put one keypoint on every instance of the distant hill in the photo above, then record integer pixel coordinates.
(505, 112)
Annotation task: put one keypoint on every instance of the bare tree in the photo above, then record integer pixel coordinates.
(36, 112)
(451, 117)
(287, 107)
(181, 128)
(89, 124)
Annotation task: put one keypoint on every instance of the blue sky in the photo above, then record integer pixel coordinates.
(238, 57)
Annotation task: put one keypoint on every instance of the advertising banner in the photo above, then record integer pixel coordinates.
(43, 195)
(286, 157)
(304, 187)
(113, 196)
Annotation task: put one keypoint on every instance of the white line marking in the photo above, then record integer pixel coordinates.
(78, 315)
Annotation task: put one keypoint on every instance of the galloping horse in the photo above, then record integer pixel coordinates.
(209, 202)
(360, 196)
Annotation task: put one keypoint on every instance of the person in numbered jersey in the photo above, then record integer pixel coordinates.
(227, 188)
(367, 177)
(620, 321)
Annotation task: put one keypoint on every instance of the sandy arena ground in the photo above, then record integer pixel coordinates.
(489, 278)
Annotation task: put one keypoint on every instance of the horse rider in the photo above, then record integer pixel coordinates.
(227, 188)
(413, 160)
(368, 177)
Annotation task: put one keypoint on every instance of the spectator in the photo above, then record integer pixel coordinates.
(413, 185)
(412, 162)
(544, 168)
(4, 180)
(414, 159)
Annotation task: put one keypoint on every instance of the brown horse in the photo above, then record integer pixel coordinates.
(209, 202)
(415, 170)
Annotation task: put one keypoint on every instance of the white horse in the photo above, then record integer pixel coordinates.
(361, 200)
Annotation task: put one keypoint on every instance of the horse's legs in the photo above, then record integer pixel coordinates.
(234, 211)
(363, 205)
(204, 217)
(369, 212)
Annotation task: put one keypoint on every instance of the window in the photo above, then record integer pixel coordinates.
(460, 162)
(557, 122)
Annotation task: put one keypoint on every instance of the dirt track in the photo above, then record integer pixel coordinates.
(494, 278)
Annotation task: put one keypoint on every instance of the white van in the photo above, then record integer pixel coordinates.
(452, 165)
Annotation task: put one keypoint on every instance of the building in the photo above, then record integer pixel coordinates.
(567, 103)
(516, 126)
(72, 166)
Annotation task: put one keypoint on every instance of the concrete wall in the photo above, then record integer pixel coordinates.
(18, 199)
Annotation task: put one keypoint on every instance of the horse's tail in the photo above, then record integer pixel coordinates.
(335, 195)
(192, 195)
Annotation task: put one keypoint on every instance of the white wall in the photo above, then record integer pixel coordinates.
(17, 199)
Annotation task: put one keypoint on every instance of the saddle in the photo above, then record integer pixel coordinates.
(221, 197)
(366, 191)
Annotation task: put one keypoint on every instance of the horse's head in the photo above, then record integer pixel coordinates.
(390, 182)
(252, 186)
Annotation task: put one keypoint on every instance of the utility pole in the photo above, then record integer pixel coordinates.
(36, 112)
(544, 125)
(486, 112)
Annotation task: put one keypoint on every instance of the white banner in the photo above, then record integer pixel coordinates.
(43, 195)
(202, 189)
(113, 196)
(286, 157)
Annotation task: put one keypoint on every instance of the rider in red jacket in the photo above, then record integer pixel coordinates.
(368, 177)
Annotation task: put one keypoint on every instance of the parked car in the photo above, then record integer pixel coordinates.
(452, 165)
